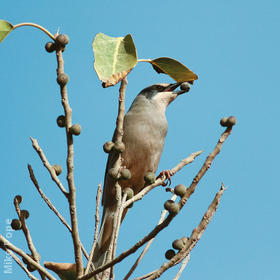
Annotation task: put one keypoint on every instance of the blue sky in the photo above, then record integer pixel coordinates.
(233, 46)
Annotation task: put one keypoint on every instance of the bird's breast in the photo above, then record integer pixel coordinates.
(144, 136)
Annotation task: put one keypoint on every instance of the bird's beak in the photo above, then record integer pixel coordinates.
(172, 88)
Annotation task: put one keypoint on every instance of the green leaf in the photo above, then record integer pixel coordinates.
(5, 29)
(173, 68)
(115, 57)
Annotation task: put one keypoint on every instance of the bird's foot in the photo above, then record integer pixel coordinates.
(167, 174)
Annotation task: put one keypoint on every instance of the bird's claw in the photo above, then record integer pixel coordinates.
(167, 174)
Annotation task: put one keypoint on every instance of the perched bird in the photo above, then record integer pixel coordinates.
(144, 131)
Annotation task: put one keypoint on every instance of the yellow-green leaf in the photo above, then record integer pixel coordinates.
(115, 57)
(173, 68)
(5, 29)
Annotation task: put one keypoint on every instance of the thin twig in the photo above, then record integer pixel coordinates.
(144, 276)
(20, 263)
(70, 168)
(5, 244)
(51, 206)
(36, 26)
(194, 238)
(26, 232)
(170, 217)
(161, 180)
(46, 163)
(183, 266)
(98, 196)
(163, 214)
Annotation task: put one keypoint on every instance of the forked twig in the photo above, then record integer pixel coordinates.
(5, 244)
(51, 206)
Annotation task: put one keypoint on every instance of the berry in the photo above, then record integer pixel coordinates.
(184, 240)
(223, 121)
(50, 47)
(119, 147)
(16, 224)
(62, 79)
(228, 122)
(171, 207)
(58, 169)
(75, 129)
(231, 121)
(114, 173)
(107, 147)
(169, 254)
(178, 244)
(18, 198)
(25, 214)
(31, 267)
(150, 178)
(125, 174)
(62, 40)
(185, 86)
(180, 190)
(60, 121)
(129, 192)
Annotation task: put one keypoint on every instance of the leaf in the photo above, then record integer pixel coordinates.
(175, 69)
(5, 29)
(115, 57)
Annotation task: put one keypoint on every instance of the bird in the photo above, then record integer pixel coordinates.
(144, 131)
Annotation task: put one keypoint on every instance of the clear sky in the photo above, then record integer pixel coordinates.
(233, 46)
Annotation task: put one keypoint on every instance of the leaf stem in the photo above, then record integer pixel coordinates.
(144, 60)
(36, 26)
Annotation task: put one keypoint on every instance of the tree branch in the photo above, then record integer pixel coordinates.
(98, 197)
(194, 238)
(26, 232)
(161, 180)
(46, 163)
(51, 206)
(163, 214)
(70, 168)
(5, 244)
(19, 262)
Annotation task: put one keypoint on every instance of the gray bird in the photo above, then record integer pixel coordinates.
(145, 128)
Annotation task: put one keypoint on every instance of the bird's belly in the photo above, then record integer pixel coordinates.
(144, 143)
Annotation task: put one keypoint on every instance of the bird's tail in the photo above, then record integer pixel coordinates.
(105, 236)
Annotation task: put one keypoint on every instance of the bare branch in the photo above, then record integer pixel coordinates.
(70, 168)
(26, 232)
(183, 266)
(170, 217)
(19, 262)
(98, 197)
(194, 238)
(51, 206)
(144, 276)
(46, 163)
(5, 244)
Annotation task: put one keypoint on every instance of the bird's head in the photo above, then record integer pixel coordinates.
(164, 94)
